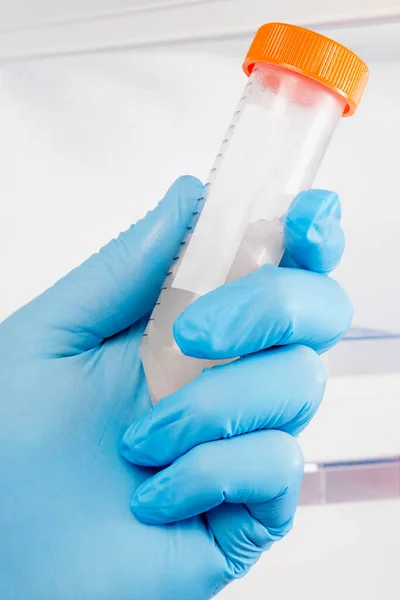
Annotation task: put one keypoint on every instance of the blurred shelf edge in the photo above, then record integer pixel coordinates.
(141, 24)
(359, 481)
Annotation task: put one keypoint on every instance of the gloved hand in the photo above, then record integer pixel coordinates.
(71, 383)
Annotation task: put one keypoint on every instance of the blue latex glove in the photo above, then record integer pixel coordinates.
(71, 383)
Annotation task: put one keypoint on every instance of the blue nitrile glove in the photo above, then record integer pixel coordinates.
(71, 383)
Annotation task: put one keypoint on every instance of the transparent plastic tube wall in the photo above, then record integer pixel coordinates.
(300, 85)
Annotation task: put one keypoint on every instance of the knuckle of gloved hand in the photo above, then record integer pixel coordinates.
(293, 460)
(289, 460)
(313, 376)
(276, 534)
(346, 312)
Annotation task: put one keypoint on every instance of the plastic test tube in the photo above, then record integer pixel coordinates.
(300, 85)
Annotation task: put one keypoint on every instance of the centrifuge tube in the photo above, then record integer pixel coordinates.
(300, 84)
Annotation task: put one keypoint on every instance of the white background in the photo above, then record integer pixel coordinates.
(90, 142)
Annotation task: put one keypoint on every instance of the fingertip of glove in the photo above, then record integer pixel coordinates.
(188, 184)
(188, 336)
(316, 203)
(143, 503)
(313, 234)
(142, 513)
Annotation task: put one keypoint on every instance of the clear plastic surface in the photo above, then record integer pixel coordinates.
(271, 152)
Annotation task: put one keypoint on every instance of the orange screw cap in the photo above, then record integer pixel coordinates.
(312, 55)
